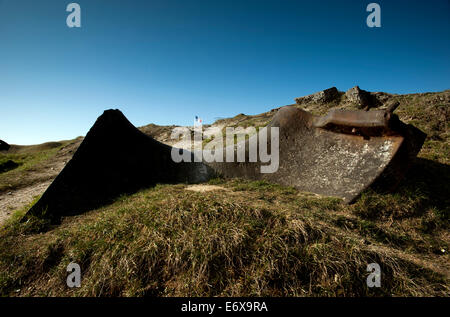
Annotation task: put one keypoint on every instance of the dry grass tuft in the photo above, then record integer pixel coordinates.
(254, 239)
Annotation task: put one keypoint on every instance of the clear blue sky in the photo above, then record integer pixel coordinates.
(166, 61)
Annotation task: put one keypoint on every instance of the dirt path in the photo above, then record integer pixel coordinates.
(11, 201)
(34, 181)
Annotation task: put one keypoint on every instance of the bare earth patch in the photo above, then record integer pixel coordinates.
(201, 188)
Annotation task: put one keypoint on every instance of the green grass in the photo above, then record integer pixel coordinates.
(29, 159)
(253, 239)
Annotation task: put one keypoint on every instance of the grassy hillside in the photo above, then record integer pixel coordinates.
(33, 163)
(247, 238)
